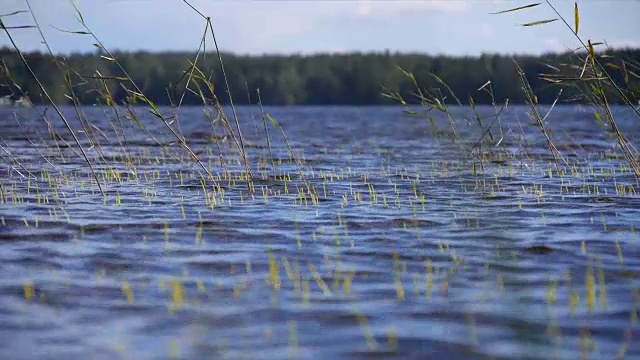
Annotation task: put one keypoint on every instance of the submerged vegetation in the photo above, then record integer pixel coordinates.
(493, 222)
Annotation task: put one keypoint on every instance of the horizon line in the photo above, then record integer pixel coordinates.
(323, 52)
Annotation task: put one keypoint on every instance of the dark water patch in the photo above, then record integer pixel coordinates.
(45, 235)
(538, 249)
(215, 263)
(392, 223)
(113, 262)
(37, 261)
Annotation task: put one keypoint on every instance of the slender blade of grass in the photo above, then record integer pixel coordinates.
(14, 13)
(77, 32)
(266, 130)
(594, 44)
(497, 117)
(101, 77)
(439, 80)
(592, 51)
(484, 86)
(517, 8)
(539, 22)
(2, 26)
(74, 3)
(275, 123)
(576, 17)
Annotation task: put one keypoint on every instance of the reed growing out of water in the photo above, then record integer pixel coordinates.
(588, 74)
(197, 82)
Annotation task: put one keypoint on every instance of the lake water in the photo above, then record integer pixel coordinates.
(383, 240)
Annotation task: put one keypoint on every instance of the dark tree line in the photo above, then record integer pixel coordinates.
(345, 79)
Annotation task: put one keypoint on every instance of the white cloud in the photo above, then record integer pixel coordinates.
(373, 8)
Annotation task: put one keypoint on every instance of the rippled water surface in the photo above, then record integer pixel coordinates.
(379, 238)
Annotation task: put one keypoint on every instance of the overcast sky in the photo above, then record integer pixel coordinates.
(306, 26)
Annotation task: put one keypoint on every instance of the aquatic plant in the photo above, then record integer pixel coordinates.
(588, 74)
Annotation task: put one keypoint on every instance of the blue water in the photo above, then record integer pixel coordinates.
(408, 248)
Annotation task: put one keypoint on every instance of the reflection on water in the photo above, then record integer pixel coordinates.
(388, 246)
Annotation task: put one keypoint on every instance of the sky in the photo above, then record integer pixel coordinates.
(454, 27)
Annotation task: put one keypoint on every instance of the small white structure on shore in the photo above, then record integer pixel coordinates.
(15, 101)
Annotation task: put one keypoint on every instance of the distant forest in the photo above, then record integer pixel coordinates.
(323, 79)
